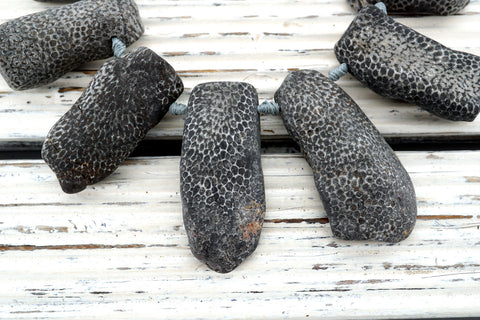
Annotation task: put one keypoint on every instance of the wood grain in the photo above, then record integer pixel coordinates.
(245, 40)
(119, 249)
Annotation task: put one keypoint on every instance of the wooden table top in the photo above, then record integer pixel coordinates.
(118, 250)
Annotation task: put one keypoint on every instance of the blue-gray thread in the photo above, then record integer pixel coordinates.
(267, 107)
(381, 6)
(342, 69)
(118, 47)
(338, 72)
(177, 109)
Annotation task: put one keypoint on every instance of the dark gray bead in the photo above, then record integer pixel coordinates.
(221, 174)
(438, 7)
(365, 190)
(398, 62)
(125, 99)
(39, 48)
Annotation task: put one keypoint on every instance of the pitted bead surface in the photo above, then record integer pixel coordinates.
(398, 62)
(39, 48)
(438, 7)
(366, 192)
(221, 175)
(125, 99)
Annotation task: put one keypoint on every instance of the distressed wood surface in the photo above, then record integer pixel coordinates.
(119, 249)
(257, 41)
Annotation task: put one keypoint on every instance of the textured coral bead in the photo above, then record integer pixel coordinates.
(221, 176)
(126, 98)
(398, 62)
(39, 48)
(366, 192)
(438, 7)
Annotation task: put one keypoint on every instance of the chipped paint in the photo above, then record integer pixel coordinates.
(300, 220)
(473, 179)
(292, 264)
(69, 89)
(69, 247)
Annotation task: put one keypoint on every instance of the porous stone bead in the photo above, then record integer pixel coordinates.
(125, 99)
(398, 62)
(221, 176)
(366, 192)
(437, 7)
(39, 48)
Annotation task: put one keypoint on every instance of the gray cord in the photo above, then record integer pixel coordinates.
(118, 47)
(338, 72)
(267, 107)
(177, 109)
(342, 69)
(381, 6)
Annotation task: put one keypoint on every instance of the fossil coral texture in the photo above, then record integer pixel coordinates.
(221, 175)
(438, 7)
(365, 190)
(398, 62)
(125, 99)
(39, 48)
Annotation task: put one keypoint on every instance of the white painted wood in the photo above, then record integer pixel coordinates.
(119, 249)
(245, 40)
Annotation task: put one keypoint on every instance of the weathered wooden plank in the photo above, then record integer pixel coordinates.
(251, 41)
(119, 250)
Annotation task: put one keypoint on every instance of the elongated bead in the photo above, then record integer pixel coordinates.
(221, 174)
(39, 48)
(125, 99)
(398, 62)
(366, 192)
